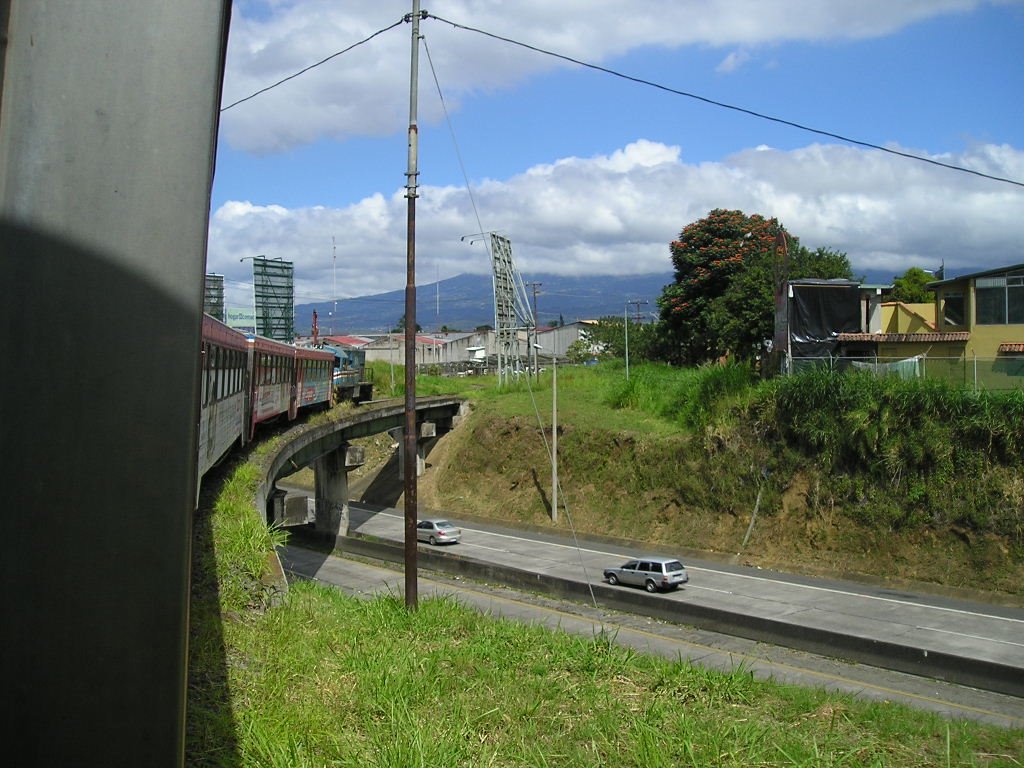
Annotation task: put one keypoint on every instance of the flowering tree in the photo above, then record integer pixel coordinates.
(722, 299)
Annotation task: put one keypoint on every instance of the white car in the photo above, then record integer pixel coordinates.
(651, 573)
(437, 531)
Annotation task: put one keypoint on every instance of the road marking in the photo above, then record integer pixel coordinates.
(697, 569)
(973, 637)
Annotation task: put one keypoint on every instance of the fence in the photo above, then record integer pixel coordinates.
(994, 373)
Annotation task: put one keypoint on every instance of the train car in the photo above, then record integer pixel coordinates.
(286, 378)
(351, 376)
(271, 391)
(247, 380)
(224, 359)
(313, 372)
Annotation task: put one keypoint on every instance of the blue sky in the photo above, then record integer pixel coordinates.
(590, 174)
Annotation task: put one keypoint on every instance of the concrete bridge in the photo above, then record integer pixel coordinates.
(328, 449)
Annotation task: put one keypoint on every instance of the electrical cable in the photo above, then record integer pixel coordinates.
(314, 66)
(451, 131)
(561, 493)
(529, 388)
(733, 107)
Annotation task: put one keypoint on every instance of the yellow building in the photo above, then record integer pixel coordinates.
(987, 305)
(973, 332)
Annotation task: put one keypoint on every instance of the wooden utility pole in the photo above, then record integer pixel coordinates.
(409, 445)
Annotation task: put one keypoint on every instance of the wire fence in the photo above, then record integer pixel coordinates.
(993, 373)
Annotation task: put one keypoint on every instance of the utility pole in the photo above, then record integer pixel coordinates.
(637, 303)
(410, 435)
(625, 325)
(334, 290)
(536, 365)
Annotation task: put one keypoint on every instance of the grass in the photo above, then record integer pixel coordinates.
(317, 678)
(856, 474)
(327, 679)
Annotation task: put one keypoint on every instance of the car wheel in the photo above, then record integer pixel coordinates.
(433, 541)
(613, 579)
(650, 586)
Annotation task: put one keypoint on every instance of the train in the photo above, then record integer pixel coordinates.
(248, 380)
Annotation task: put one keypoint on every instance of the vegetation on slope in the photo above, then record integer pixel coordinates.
(314, 678)
(855, 474)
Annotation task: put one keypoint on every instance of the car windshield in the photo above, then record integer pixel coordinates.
(443, 524)
(675, 565)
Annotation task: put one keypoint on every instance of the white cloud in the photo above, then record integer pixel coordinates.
(733, 61)
(365, 91)
(616, 214)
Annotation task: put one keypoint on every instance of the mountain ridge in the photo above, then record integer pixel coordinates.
(466, 301)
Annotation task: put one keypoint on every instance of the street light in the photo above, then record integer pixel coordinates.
(554, 433)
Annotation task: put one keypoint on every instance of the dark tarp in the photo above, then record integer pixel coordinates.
(818, 313)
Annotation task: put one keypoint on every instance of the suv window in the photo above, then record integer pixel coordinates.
(630, 566)
(646, 566)
(675, 565)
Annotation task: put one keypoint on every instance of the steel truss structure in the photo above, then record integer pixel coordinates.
(512, 312)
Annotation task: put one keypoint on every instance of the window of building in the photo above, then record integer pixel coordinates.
(990, 293)
(953, 308)
(1000, 299)
(1015, 298)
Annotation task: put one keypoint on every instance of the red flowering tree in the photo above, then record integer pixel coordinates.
(722, 299)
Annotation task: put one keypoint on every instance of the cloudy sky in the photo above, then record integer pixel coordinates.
(589, 173)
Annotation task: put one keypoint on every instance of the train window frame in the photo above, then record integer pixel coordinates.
(206, 373)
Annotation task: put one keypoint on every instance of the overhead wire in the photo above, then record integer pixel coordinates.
(529, 387)
(314, 66)
(733, 107)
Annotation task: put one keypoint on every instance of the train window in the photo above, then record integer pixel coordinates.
(216, 374)
(205, 372)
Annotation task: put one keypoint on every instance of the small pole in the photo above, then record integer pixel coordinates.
(625, 325)
(554, 439)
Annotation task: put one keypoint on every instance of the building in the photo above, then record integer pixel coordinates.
(972, 334)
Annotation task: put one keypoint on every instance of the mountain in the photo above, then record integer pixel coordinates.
(467, 301)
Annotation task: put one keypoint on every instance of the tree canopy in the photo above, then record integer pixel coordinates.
(723, 298)
(910, 288)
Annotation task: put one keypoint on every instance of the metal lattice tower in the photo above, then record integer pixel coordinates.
(512, 312)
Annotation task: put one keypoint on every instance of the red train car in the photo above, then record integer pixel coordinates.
(224, 367)
(247, 380)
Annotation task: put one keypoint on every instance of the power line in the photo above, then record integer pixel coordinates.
(724, 105)
(314, 66)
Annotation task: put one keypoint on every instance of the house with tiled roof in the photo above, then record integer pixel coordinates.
(972, 333)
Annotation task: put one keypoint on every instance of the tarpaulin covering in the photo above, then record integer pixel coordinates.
(818, 313)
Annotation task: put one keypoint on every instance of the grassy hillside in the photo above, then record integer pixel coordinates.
(850, 474)
(313, 678)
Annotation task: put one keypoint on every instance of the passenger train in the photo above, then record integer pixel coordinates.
(248, 379)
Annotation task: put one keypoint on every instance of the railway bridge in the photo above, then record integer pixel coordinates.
(328, 449)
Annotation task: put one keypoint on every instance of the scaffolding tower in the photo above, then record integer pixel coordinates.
(512, 312)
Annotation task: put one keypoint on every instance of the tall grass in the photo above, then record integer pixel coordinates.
(939, 450)
(326, 679)
(689, 396)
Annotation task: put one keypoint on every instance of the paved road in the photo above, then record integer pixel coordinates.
(934, 624)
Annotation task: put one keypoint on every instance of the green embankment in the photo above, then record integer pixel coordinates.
(314, 678)
(856, 474)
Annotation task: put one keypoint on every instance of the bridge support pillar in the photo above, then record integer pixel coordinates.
(331, 488)
(427, 431)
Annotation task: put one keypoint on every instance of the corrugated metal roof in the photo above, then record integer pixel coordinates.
(1011, 346)
(906, 338)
